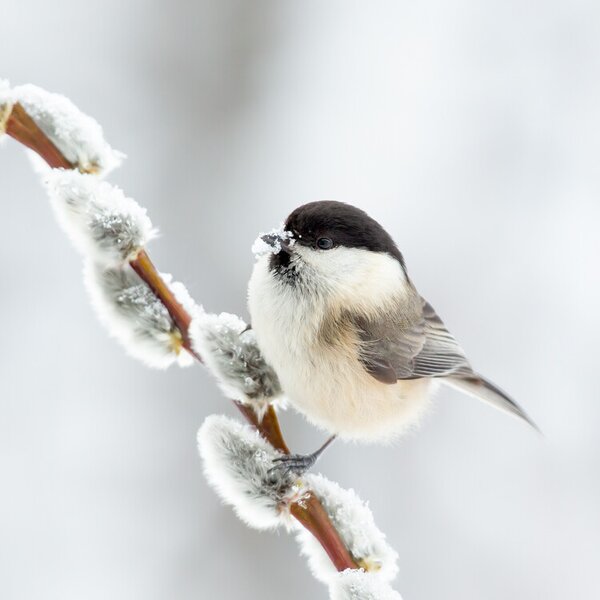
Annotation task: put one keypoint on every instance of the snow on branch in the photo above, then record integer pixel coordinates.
(359, 585)
(78, 137)
(237, 464)
(158, 322)
(134, 315)
(229, 349)
(6, 104)
(354, 522)
(99, 219)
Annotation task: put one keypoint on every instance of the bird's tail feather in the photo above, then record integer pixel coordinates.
(485, 390)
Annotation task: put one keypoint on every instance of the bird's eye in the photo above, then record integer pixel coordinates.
(324, 243)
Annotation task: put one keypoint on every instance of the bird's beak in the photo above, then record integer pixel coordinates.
(278, 243)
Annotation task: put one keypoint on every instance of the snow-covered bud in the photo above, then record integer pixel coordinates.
(270, 243)
(5, 104)
(358, 585)
(229, 350)
(353, 520)
(100, 220)
(135, 316)
(77, 136)
(237, 464)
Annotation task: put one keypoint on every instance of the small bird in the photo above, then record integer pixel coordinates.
(357, 350)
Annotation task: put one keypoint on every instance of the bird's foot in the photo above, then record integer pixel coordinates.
(294, 464)
(298, 464)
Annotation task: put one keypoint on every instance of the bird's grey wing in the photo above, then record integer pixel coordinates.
(394, 348)
(441, 355)
(397, 347)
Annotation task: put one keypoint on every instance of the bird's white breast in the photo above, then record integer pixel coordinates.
(319, 369)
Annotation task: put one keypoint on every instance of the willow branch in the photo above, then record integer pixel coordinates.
(21, 127)
(146, 270)
(269, 425)
(308, 511)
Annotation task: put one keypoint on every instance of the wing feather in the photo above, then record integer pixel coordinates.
(413, 348)
(395, 347)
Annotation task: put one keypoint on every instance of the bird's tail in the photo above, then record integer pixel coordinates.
(485, 390)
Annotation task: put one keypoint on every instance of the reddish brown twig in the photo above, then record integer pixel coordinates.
(308, 510)
(23, 128)
(146, 270)
(310, 513)
(269, 425)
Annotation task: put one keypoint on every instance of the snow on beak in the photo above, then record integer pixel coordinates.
(274, 242)
(278, 243)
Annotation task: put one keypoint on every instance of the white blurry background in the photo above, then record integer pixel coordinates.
(469, 129)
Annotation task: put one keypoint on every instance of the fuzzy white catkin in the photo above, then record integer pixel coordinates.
(79, 137)
(354, 521)
(5, 104)
(358, 585)
(99, 219)
(135, 316)
(237, 464)
(229, 350)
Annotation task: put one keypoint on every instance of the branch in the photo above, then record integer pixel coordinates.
(23, 128)
(147, 272)
(308, 510)
(310, 513)
(237, 464)
(268, 426)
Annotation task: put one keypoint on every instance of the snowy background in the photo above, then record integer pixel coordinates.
(469, 129)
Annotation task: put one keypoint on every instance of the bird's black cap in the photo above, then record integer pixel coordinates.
(344, 224)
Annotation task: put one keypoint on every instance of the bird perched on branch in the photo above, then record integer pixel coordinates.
(357, 350)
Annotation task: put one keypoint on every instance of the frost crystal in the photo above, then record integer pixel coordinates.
(354, 522)
(100, 220)
(237, 464)
(229, 349)
(135, 316)
(273, 245)
(77, 136)
(358, 585)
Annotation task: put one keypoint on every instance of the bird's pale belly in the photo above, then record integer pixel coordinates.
(332, 389)
(318, 364)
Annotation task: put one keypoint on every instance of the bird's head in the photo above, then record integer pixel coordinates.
(334, 247)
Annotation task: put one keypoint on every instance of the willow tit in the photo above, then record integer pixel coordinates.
(357, 350)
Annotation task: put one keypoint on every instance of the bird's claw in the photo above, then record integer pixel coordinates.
(293, 464)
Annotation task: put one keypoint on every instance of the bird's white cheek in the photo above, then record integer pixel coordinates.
(355, 278)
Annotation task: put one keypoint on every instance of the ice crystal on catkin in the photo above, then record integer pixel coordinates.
(238, 465)
(354, 521)
(229, 349)
(358, 585)
(78, 137)
(135, 316)
(97, 216)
